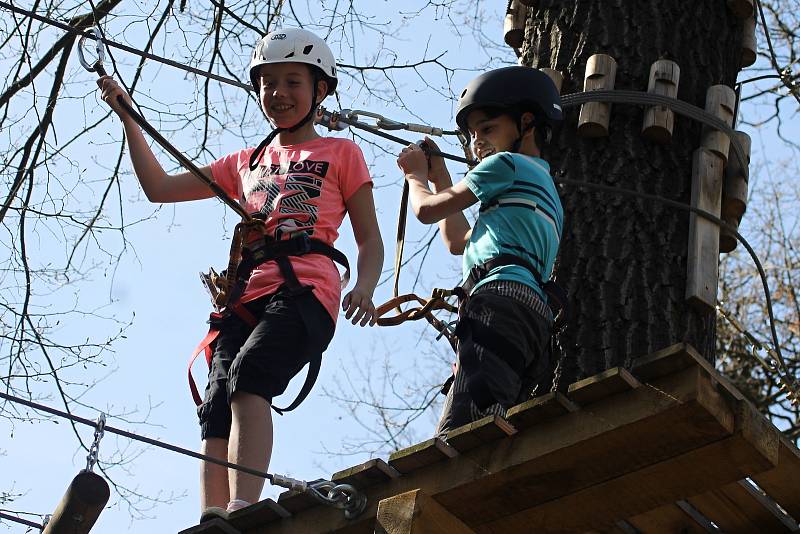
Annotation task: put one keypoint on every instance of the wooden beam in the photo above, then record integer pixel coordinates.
(671, 518)
(781, 483)
(699, 470)
(80, 506)
(739, 507)
(614, 437)
(414, 512)
(703, 259)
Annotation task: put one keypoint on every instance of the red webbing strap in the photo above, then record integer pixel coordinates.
(205, 345)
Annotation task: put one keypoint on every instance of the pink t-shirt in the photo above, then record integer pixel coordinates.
(297, 187)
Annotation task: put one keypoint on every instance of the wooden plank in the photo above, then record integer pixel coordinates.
(781, 483)
(618, 435)
(670, 518)
(469, 436)
(539, 410)
(703, 259)
(696, 471)
(364, 475)
(257, 514)
(414, 512)
(421, 455)
(295, 501)
(602, 385)
(215, 526)
(697, 415)
(663, 362)
(740, 508)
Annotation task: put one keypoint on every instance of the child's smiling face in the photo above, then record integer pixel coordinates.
(491, 133)
(285, 92)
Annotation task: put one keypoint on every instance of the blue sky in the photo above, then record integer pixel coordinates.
(156, 288)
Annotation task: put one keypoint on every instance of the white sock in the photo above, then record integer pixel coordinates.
(237, 504)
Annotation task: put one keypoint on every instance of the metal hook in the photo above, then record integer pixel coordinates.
(91, 459)
(97, 66)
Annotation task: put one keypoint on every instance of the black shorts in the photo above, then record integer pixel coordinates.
(291, 331)
(503, 335)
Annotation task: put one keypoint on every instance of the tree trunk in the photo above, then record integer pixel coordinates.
(624, 260)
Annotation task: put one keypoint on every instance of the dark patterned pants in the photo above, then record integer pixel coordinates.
(503, 352)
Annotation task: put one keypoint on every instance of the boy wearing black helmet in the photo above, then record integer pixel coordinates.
(504, 323)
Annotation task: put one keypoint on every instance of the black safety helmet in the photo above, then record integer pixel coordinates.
(517, 89)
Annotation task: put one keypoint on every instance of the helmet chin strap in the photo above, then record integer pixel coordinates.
(522, 129)
(255, 157)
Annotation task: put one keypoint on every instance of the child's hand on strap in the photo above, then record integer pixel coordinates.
(437, 171)
(358, 305)
(414, 162)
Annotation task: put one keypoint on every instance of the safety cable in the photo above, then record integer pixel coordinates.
(97, 66)
(782, 73)
(343, 496)
(622, 96)
(21, 521)
(126, 48)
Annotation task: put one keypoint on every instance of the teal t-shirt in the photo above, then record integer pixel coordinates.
(520, 214)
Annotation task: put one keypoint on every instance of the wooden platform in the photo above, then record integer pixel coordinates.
(668, 446)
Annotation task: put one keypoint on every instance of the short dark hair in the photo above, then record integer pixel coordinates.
(492, 112)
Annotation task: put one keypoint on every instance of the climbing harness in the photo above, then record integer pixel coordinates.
(342, 496)
(247, 252)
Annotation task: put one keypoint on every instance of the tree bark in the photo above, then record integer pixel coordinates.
(624, 260)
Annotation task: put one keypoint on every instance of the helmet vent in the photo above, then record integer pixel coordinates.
(464, 92)
(307, 49)
(290, 54)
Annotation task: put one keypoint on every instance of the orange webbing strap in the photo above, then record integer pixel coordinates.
(399, 245)
(205, 345)
(424, 311)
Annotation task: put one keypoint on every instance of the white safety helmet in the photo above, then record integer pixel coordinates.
(294, 45)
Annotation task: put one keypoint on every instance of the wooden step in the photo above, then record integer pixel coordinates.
(421, 455)
(539, 410)
(490, 428)
(364, 475)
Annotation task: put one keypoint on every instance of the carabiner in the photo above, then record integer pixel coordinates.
(97, 66)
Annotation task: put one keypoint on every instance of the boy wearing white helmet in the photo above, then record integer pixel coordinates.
(301, 185)
(505, 322)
